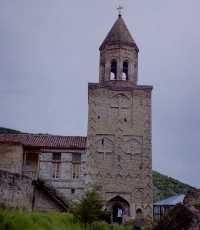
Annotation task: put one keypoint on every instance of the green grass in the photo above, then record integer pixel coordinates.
(21, 220)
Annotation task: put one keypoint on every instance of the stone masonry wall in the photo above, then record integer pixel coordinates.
(69, 188)
(119, 146)
(120, 54)
(11, 158)
(44, 203)
(15, 190)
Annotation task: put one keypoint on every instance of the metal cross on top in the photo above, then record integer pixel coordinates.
(120, 8)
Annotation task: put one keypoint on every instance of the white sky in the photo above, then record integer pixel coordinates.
(49, 53)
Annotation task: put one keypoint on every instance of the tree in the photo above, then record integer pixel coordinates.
(90, 208)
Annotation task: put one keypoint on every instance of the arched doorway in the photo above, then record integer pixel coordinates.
(119, 208)
(117, 213)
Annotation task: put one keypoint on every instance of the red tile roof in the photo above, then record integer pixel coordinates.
(45, 140)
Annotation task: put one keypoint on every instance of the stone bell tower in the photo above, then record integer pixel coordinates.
(119, 158)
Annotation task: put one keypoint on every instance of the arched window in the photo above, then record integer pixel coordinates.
(113, 70)
(125, 71)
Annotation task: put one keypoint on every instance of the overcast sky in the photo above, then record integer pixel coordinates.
(49, 53)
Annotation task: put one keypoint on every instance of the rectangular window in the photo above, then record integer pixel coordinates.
(76, 170)
(30, 159)
(56, 162)
(56, 170)
(30, 164)
(76, 165)
(76, 157)
(56, 156)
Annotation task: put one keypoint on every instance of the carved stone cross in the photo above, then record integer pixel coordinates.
(104, 152)
(119, 106)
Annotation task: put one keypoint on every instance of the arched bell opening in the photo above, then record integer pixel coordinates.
(113, 70)
(125, 76)
(119, 208)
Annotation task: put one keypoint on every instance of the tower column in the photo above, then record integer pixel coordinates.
(119, 68)
(118, 155)
(107, 70)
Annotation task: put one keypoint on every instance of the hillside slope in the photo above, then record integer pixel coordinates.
(6, 130)
(165, 186)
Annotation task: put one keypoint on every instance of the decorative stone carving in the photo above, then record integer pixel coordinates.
(139, 195)
(132, 148)
(104, 148)
(120, 111)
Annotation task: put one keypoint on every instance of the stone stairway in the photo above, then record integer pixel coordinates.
(49, 190)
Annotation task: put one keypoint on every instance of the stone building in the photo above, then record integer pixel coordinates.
(56, 164)
(115, 157)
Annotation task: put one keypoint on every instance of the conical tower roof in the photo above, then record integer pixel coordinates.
(119, 34)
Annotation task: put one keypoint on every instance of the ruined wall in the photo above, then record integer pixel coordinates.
(119, 145)
(15, 190)
(11, 157)
(18, 191)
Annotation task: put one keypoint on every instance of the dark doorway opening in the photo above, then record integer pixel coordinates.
(117, 213)
(119, 208)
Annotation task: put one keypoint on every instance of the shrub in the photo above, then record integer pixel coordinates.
(90, 208)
